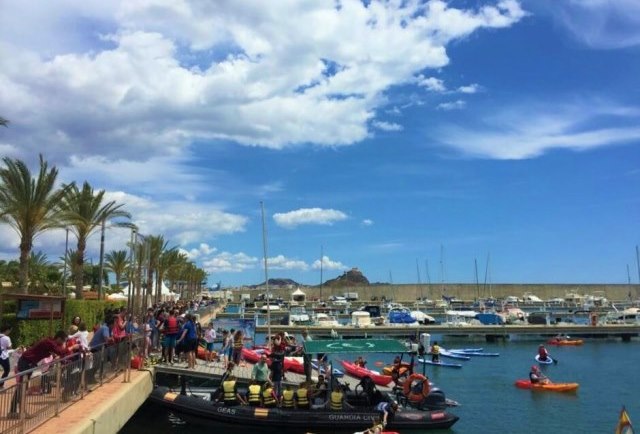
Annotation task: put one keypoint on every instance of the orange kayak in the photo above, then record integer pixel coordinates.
(562, 342)
(549, 387)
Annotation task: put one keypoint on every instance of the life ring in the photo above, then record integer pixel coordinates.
(410, 394)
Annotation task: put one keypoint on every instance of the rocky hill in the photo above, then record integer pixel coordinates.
(353, 277)
(278, 283)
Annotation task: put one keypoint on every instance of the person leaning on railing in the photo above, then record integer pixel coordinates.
(30, 358)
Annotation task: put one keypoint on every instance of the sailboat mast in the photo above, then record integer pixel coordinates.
(266, 273)
(419, 280)
(321, 264)
(486, 273)
(475, 261)
(426, 267)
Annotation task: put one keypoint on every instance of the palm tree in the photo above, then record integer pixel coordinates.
(156, 245)
(169, 260)
(117, 261)
(84, 210)
(28, 205)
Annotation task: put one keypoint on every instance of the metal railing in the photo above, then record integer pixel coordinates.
(32, 397)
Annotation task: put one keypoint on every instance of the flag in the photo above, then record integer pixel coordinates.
(624, 423)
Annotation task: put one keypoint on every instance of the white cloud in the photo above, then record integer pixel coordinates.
(181, 222)
(471, 88)
(202, 250)
(432, 84)
(226, 262)
(452, 105)
(367, 222)
(280, 262)
(149, 78)
(387, 126)
(328, 264)
(602, 24)
(529, 130)
(302, 216)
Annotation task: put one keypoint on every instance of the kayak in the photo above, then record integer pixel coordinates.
(565, 342)
(440, 363)
(550, 387)
(292, 364)
(388, 370)
(360, 372)
(336, 372)
(474, 353)
(544, 362)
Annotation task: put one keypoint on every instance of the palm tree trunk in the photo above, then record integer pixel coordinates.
(150, 283)
(23, 276)
(82, 245)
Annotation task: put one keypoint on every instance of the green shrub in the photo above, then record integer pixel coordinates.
(26, 332)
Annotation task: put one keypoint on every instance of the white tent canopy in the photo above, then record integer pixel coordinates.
(298, 295)
(165, 292)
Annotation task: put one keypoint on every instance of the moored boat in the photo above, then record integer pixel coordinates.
(565, 342)
(273, 418)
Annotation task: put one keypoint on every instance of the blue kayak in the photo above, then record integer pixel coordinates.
(440, 363)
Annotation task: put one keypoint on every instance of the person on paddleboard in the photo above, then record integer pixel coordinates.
(537, 377)
(543, 354)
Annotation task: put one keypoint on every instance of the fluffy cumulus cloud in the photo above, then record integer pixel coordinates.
(328, 264)
(432, 84)
(471, 88)
(138, 78)
(603, 24)
(530, 129)
(305, 216)
(281, 262)
(181, 222)
(226, 262)
(367, 222)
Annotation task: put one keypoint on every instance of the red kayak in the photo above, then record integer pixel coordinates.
(360, 372)
(292, 364)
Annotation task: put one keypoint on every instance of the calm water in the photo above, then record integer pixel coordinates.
(606, 370)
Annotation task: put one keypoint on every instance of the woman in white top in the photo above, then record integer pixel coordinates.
(209, 338)
(82, 336)
(5, 346)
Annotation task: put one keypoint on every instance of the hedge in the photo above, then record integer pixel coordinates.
(26, 332)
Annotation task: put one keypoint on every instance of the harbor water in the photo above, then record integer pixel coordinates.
(607, 371)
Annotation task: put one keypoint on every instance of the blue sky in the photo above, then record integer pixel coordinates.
(387, 134)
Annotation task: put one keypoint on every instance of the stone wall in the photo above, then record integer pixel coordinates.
(411, 292)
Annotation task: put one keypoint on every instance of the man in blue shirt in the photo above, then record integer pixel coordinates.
(190, 338)
(95, 361)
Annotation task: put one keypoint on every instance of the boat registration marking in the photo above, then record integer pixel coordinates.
(349, 417)
(170, 396)
(226, 410)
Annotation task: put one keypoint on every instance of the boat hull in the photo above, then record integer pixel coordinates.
(298, 419)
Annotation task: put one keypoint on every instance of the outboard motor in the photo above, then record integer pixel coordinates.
(435, 400)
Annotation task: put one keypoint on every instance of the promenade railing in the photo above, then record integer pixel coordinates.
(32, 397)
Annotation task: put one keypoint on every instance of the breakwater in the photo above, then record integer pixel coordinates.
(462, 291)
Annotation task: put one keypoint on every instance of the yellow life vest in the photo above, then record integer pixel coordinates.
(435, 349)
(301, 394)
(229, 388)
(238, 343)
(267, 397)
(254, 394)
(336, 401)
(287, 399)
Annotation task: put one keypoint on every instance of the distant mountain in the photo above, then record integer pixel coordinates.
(277, 282)
(353, 277)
